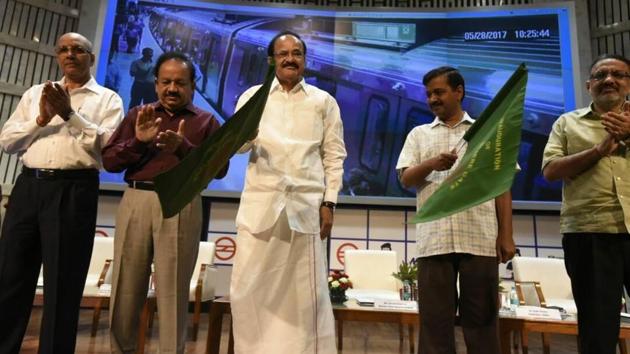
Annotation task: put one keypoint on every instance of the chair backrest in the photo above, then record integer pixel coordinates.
(205, 256)
(371, 269)
(549, 272)
(103, 250)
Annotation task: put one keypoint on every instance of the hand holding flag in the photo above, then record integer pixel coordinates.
(487, 168)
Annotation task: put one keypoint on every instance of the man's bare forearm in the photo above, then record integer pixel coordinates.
(416, 175)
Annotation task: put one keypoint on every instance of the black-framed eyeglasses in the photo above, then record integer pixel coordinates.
(285, 54)
(76, 49)
(615, 74)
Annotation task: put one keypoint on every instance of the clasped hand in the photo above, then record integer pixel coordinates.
(148, 130)
(55, 100)
(617, 124)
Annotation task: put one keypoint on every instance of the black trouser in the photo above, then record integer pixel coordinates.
(599, 266)
(438, 301)
(50, 221)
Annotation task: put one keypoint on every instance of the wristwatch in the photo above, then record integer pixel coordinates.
(329, 205)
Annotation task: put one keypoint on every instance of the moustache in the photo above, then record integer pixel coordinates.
(292, 65)
(172, 94)
(608, 87)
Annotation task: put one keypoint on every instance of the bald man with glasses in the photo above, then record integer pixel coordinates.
(588, 151)
(57, 129)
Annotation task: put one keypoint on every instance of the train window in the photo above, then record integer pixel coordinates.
(374, 133)
(255, 69)
(416, 117)
(212, 48)
(262, 71)
(242, 74)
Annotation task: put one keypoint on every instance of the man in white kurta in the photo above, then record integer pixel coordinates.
(279, 290)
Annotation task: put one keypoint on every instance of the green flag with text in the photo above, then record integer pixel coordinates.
(178, 186)
(488, 167)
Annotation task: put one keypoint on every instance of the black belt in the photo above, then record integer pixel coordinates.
(145, 186)
(48, 173)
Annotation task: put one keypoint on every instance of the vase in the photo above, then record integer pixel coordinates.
(406, 291)
(337, 297)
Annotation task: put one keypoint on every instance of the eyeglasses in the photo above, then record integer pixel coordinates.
(76, 49)
(602, 75)
(285, 54)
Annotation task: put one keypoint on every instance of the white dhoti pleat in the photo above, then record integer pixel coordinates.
(279, 293)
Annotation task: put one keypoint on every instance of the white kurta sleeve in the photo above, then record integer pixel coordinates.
(333, 150)
(241, 102)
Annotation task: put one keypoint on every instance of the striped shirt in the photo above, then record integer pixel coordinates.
(472, 231)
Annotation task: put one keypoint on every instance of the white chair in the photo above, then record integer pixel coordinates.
(370, 272)
(103, 251)
(202, 282)
(555, 286)
(99, 273)
(552, 276)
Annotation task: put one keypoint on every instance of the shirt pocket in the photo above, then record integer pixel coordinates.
(584, 137)
(308, 122)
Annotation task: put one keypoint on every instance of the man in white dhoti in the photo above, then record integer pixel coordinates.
(279, 290)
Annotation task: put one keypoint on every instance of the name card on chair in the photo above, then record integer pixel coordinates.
(538, 313)
(105, 289)
(395, 305)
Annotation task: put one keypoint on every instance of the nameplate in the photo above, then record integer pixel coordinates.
(105, 289)
(395, 305)
(538, 313)
(365, 301)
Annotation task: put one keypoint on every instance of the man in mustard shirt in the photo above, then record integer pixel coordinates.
(589, 150)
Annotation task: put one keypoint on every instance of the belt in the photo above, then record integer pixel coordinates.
(48, 173)
(145, 186)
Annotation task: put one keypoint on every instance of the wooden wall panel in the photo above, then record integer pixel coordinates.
(610, 27)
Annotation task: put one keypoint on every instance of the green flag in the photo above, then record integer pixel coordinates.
(487, 168)
(178, 186)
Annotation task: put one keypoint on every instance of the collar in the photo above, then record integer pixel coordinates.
(587, 111)
(275, 85)
(190, 107)
(466, 118)
(90, 85)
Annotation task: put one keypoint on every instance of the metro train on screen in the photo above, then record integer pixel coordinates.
(373, 66)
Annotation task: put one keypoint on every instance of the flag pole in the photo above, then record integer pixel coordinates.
(460, 145)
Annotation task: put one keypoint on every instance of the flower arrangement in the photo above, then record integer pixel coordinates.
(407, 274)
(338, 283)
(407, 271)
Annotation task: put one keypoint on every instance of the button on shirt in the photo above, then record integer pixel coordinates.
(597, 199)
(75, 144)
(473, 230)
(296, 160)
